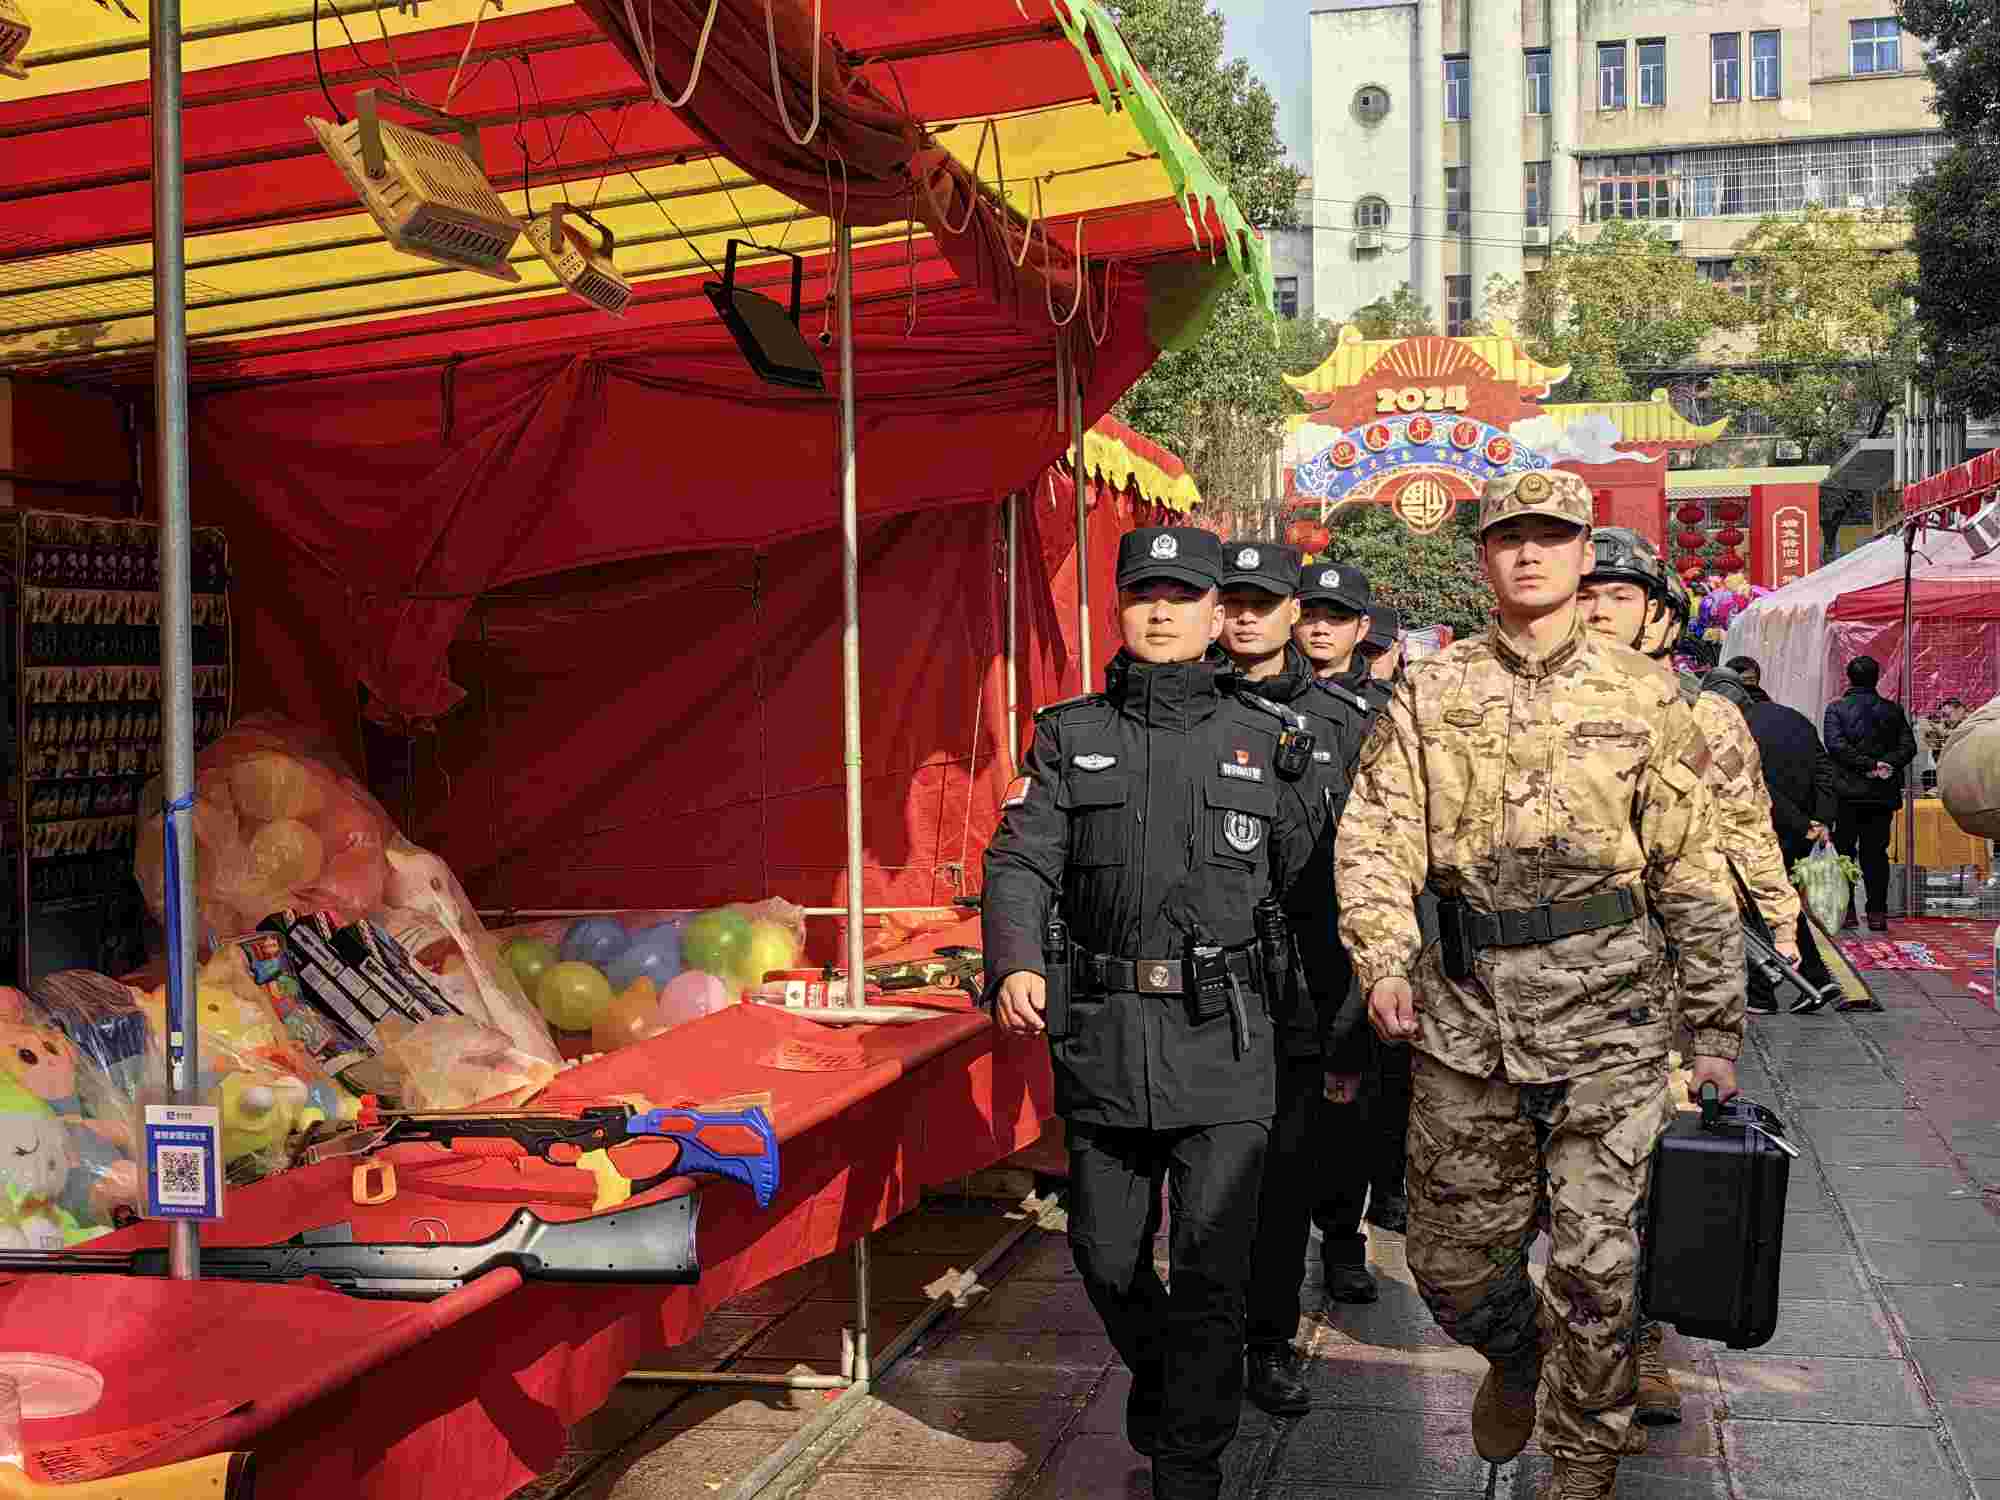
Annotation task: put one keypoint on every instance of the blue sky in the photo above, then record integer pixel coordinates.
(1270, 35)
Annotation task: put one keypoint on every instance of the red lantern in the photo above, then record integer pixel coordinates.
(1691, 514)
(1308, 536)
(1729, 536)
(1730, 510)
(1730, 562)
(1691, 569)
(1693, 541)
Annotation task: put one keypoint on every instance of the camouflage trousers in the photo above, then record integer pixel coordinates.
(1481, 1153)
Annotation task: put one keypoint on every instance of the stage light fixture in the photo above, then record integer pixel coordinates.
(585, 270)
(14, 32)
(768, 336)
(429, 194)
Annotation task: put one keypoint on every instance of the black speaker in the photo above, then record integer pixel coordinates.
(768, 336)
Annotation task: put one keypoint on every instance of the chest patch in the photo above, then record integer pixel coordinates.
(1093, 762)
(1464, 718)
(1242, 773)
(1242, 832)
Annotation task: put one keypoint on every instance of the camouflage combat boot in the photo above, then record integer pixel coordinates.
(1583, 1479)
(1503, 1413)
(1659, 1397)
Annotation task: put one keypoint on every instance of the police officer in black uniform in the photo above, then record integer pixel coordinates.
(1322, 1047)
(1149, 825)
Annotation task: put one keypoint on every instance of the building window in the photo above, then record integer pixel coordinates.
(1653, 74)
(1725, 55)
(1287, 289)
(1782, 178)
(1457, 88)
(1766, 70)
(1538, 83)
(1457, 304)
(1610, 75)
(1371, 213)
(1457, 200)
(1630, 187)
(1535, 189)
(1877, 45)
(1371, 103)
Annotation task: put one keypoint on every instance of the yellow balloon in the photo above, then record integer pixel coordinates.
(285, 855)
(270, 786)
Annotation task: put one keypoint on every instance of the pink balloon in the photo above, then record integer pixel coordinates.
(691, 994)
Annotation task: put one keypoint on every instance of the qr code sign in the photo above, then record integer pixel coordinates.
(183, 1175)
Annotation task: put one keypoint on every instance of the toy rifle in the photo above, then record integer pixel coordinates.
(220, 1476)
(738, 1143)
(652, 1245)
(953, 966)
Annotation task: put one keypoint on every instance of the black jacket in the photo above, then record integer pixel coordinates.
(1862, 728)
(1796, 770)
(1152, 812)
(1339, 720)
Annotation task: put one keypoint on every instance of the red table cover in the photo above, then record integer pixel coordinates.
(471, 1395)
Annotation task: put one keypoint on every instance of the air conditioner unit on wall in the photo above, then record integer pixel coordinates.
(1368, 239)
(1671, 231)
(1535, 234)
(429, 194)
(14, 30)
(1982, 532)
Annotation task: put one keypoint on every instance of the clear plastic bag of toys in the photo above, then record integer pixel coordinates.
(455, 1062)
(628, 976)
(280, 826)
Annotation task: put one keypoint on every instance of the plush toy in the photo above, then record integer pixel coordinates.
(34, 1166)
(102, 1177)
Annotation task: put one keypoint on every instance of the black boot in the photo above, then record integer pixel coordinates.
(1349, 1283)
(1275, 1384)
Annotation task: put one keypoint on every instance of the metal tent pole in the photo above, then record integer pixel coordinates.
(1082, 536)
(1909, 686)
(1011, 507)
(170, 398)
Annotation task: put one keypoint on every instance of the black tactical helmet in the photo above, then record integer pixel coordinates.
(1679, 600)
(1728, 685)
(1624, 556)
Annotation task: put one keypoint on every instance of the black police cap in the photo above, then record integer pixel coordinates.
(1270, 566)
(1385, 625)
(1331, 582)
(1186, 554)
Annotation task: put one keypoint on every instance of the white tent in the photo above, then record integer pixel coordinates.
(1789, 633)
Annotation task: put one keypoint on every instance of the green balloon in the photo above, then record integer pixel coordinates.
(716, 942)
(529, 958)
(571, 994)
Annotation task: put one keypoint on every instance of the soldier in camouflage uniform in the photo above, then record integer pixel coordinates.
(1550, 785)
(1631, 595)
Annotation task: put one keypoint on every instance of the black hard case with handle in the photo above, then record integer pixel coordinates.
(1716, 1222)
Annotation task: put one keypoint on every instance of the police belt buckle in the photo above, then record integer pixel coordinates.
(1156, 976)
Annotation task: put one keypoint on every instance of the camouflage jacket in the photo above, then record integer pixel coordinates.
(1513, 782)
(1743, 827)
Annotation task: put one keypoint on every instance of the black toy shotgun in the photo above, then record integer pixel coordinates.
(650, 1245)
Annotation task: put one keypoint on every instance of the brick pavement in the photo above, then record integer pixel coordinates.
(1883, 1379)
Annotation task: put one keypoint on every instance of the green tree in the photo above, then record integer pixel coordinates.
(1614, 309)
(1402, 315)
(1219, 404)
(1829, 318)
(1432, 580)
(1955, 208)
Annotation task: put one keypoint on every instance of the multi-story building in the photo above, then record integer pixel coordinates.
(1453, 140)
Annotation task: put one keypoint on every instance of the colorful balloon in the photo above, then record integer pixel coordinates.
(529, 958)
(631, 1017)
(691, 995)
(595, 940)
(653, 953)
(771, 946)
(572, 995)
(285, 855)
(717, 942)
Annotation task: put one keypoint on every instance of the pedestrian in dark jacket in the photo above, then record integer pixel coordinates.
(1870, 742)
(1803, 807)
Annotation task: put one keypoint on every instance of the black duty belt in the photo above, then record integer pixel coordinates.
(1522, 926)
(1099, 973)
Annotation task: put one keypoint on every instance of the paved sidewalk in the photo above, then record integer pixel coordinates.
(1883, 1380)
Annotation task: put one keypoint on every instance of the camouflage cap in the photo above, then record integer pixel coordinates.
(1537, 492)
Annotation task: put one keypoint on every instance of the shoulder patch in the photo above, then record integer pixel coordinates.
(1729, 762)
(1697, 757)
(1063, 705)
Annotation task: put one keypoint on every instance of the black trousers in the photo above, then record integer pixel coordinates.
(1811, 964)
(1303, 1139)
(1380, 1122)
(1389, 1120)
(1186, 1344)
(1863, 833)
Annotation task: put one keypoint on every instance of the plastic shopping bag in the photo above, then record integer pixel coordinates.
(1826, 884)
